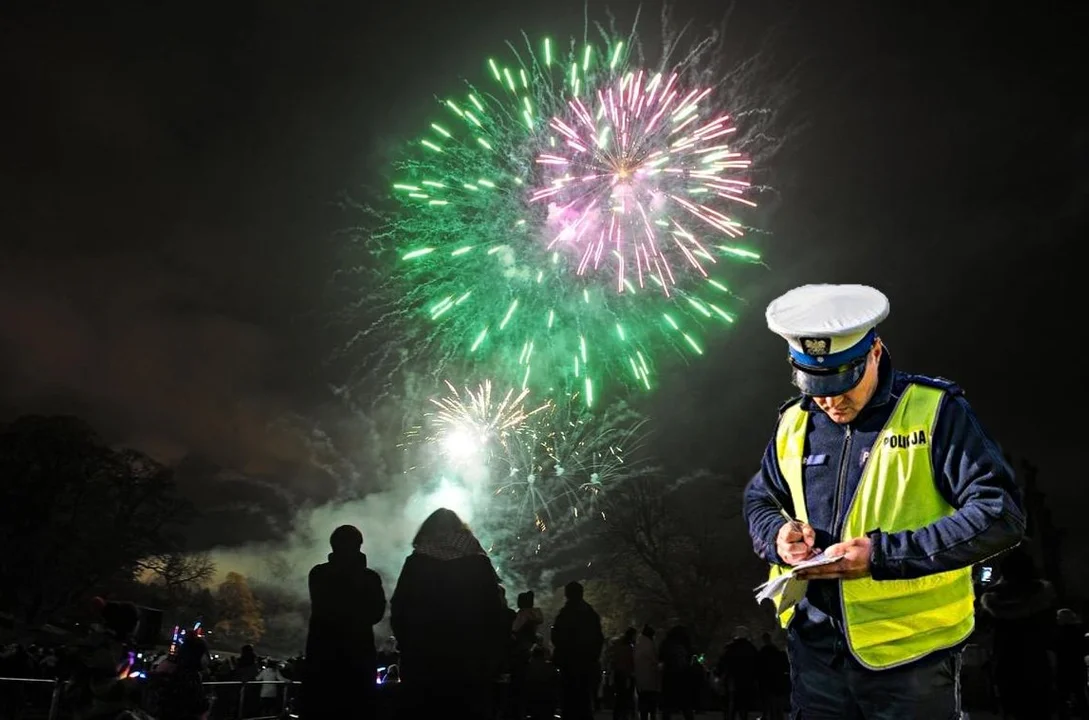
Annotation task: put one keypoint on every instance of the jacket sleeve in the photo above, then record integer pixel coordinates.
(761, 513)
(977, 481)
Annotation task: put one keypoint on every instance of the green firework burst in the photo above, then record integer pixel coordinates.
(558, 241)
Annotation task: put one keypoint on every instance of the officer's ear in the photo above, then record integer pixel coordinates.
(878, 348)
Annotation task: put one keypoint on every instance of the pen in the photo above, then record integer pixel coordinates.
(782, 511)
(793, 523)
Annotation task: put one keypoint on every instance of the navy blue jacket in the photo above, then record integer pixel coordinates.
(970, 471)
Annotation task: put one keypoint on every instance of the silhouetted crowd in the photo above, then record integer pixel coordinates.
(459, 650)
(463, 652)
(1039, 652)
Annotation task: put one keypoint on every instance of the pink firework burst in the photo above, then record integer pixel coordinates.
(639, 183)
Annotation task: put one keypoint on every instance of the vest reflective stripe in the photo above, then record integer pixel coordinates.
(890, 622)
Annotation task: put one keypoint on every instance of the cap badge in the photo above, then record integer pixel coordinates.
(817, 347)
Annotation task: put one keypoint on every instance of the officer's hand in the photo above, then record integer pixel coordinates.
(794, 543)
(855, 562)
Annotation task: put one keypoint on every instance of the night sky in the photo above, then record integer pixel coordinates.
(169, 177)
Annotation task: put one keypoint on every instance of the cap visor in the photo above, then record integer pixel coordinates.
(828, 384)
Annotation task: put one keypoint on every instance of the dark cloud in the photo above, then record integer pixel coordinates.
(130, 348)
(234, 508)
(119, 335)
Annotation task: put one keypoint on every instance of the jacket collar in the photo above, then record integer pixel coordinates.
(348, 558)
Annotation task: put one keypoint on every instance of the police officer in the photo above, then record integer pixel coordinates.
(894, 473)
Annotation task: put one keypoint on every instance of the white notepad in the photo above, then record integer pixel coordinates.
(791, 588)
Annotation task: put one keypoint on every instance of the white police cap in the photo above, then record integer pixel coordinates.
(829, 330)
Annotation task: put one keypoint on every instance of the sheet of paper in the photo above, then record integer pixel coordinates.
(817, 560)
(792, 594)
(790, 587)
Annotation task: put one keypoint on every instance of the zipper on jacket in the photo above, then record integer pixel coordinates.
(841, 484)
(841, 488)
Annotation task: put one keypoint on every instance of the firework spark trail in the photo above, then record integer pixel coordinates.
(473, 420)
(592, 454)
(620, 163)
(564, 461)
(543, 466)
(563, 471)
(568, 165)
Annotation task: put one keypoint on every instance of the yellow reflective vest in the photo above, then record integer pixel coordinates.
(890, 622)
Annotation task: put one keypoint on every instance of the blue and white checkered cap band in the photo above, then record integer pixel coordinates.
(822, 360)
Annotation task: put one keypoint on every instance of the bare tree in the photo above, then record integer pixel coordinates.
(77, 514)
(614, 604)
(177, 571)
(678, 547)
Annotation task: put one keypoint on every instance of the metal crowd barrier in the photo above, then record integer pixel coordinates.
(54, 697)
(242, 696)
(58, 686)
